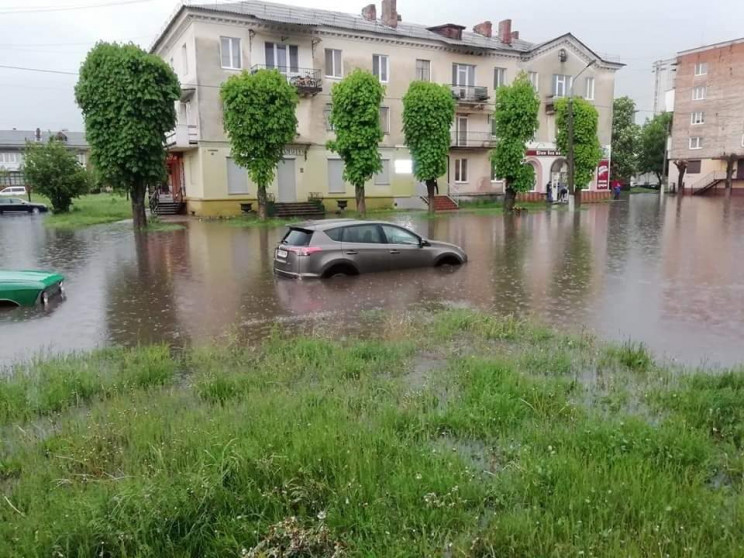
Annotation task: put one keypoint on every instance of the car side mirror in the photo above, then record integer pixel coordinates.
(424, 243)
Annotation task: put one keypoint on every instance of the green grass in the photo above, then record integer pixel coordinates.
(92, 209)
(155, 224)
(450, 433)
(249, 221)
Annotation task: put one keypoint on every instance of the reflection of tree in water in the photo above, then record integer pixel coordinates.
(646, 224)
(573, 270)
(510, 291)
(141, 298)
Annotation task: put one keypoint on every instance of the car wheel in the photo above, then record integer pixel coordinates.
(45, 298)
(35, 211)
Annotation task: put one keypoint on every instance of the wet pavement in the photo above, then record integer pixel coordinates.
(649, 269)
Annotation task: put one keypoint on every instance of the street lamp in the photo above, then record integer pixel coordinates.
(571, 177)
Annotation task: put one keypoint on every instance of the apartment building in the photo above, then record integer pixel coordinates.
(708, 124)
(207, 43)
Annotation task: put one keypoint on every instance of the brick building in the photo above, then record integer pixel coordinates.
(708, 127)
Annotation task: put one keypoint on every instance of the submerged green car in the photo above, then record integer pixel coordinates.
(28, 288)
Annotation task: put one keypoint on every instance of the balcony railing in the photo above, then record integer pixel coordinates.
(182, 137)
(470, 93)
(472, 140)
(306, 80)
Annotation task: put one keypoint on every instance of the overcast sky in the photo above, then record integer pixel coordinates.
(635, 32)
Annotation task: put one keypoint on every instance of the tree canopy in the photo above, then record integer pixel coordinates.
(53, 171)
(515, 123)
(587, 150)
(355, 116)
(625, 133)
(128, 97)
(428, 112)
(260, 120)
(653, 144)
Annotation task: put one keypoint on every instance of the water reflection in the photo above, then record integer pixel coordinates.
(666, 272)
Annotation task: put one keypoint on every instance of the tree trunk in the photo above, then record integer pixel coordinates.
(510, 198)
(577, 198)
(679, 189)
(730, 160)
(261, 195)
(137, 197)
(430, 188)
(361, 204)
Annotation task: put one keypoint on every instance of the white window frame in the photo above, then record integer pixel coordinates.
(461, 171)
(385, 119)
(185, 59)
(534, 78)
(562, 85)
(377, 67)
(494, 178)
(699, 93)
(427, 64)
(697, 118)
(701, 69)
(697, 143)
(589, 85)
(466, 70)
(81, 159)
(334, 72)
(231, 42)
(382, 178)
(499, 77)
(274, 62)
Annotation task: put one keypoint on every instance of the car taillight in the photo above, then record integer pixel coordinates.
(307, 250)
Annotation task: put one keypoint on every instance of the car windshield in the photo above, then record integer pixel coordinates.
(297, 237)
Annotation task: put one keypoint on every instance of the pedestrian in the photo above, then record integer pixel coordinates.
(549, 192)
(616, 189)
(564, 193)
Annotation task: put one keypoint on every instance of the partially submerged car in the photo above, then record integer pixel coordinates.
(29, 288)
(17, 205)
(337, 247)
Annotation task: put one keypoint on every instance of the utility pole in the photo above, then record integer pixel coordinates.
(571, 157)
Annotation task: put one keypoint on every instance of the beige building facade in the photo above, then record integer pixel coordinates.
(206, 44)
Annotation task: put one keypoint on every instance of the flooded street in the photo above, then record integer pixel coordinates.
(640, 269)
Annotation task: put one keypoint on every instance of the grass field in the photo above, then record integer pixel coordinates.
(91, 209)
(444, 433)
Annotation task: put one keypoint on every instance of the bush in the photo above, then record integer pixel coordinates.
(53, 171)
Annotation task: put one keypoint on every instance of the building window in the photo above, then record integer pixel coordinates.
(697, 118)
(701, 68)
(494, 177)
(696, 142)
(461, 170)
(184, 59)
(327, 115)
(561, 85)
(336, 184)
(237, 178)
(81, 159)
(382, 178)
(380, 67)
(492, 125)
(333, 63)
(589, 90)
(699, 92)
(170, 63)
(423, 70)
(385, 119)
(230, 53)
(282, 57)
(534, 78)
(11, 157)
(499, 77)
(463, 75)
(694, 167)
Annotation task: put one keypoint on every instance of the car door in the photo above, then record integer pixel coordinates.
(365, 246)
(405, 248)
(12, 205)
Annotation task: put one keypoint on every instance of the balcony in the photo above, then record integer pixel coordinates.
(182, 138)
(470, 94)
(471, 140)
(306, 80)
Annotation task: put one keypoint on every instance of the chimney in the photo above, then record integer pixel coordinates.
(505, 34)
(515, 35)
(369, 12)
(389, 13)
(485, 29)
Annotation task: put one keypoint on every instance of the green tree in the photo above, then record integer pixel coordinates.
(355, 115)
(587, 151)
(428, 112)
(515, 123)
(128, 101)
(260, 121)
(53, 171)
(653, 145)
(624, 139)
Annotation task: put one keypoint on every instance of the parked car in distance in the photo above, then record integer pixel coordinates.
(13, 191)
(335, 247)
(28, 288)
(17, 205)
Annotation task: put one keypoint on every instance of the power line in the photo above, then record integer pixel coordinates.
(48, 9)
(26, 69)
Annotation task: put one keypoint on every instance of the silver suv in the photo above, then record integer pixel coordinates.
(349, 247)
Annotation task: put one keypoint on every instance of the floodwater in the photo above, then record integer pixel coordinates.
(647, 268)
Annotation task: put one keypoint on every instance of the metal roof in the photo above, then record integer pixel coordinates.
(310, 17)
(18, 138)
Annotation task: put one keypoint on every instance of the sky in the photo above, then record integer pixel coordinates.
(55, 35)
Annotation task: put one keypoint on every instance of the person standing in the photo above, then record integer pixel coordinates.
(549, 192)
